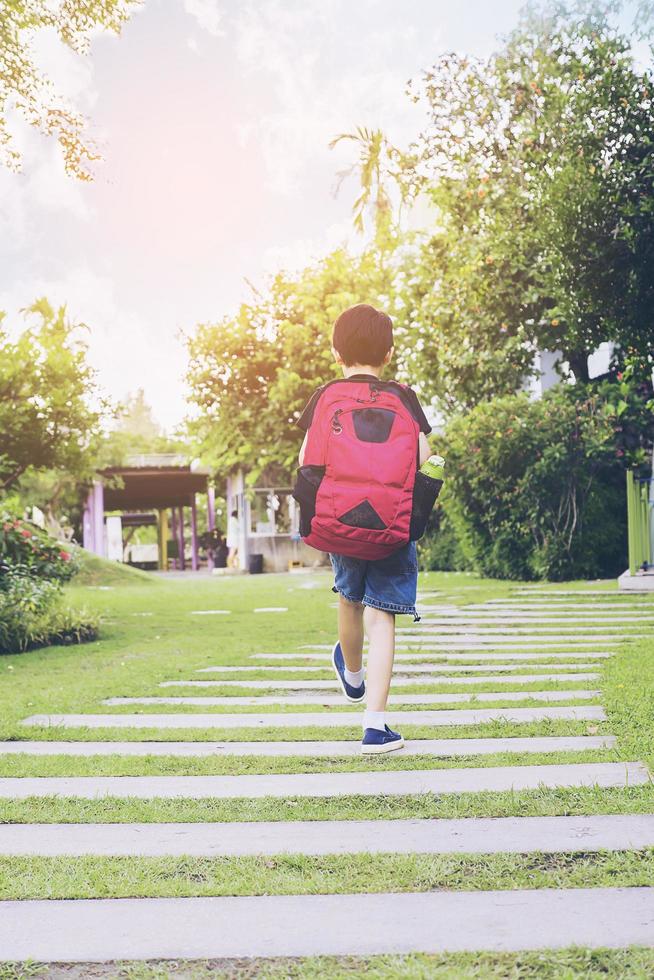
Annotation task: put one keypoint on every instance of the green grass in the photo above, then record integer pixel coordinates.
(493, 729)
(578, 801)
(629, 699)
(566, 964)
(299, 709)
(96, 571)
(182, 877)
(135, 653)
(117, 765)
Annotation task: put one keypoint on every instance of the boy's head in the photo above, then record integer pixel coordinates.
(363, 335)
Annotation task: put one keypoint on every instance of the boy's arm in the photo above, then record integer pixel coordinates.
(303, 449)
(423, 447)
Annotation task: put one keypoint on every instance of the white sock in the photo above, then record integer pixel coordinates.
(354, 677)
(374, 719)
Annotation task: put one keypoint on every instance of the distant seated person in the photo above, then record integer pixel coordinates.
(214, 544)
(232, 540)
(220, 553)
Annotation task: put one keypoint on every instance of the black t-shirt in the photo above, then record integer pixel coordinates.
(407, 395)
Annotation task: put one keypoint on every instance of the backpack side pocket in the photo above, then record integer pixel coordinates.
(305, 492)
(425, 492)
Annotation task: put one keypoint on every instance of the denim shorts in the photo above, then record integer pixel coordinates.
(388, 583)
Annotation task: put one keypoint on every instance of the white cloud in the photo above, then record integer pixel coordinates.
(207, 14)
(324, 82)
(297, 255)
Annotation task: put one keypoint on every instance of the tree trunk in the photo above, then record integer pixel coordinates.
(578, 361)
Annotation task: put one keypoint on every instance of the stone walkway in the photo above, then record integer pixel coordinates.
(304, 719)
(310, 925)
(499, 835)
(491, 648)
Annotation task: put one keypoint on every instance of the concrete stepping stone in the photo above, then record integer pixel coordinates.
(435, 746)
(307, 719)
(400, 669)
(331, 685)
(555, 594)
(329, 785)
(531, 617)
(541, 632)
(507, 643)
(580, 648)
(481, 835)
(337, 700)
(95, 930)
(211, 612)
(510, 606)
(482, 655)
(618, 600)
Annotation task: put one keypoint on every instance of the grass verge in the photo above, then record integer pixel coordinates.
(633, 963)
(528, 803)
(185, 877)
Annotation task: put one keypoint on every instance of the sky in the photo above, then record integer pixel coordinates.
(214, 118)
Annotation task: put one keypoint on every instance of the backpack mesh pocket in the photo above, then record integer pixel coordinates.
(425, 492)
(305, 492)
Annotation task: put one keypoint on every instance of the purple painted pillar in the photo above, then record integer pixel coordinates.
(195, 564)
(180, 539)
(211, 518)
(87, 521)
(173, 533)
(97, 517)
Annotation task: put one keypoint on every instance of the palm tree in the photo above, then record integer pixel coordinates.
(379, 162)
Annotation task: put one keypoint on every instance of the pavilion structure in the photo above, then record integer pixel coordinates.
(150, 489)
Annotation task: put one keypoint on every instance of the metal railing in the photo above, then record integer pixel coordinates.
(639, 518)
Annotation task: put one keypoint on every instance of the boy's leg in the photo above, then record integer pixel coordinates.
(380, 629)
(350, 633)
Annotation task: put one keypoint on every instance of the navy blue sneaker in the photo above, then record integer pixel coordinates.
(375, 741)
(353, 694)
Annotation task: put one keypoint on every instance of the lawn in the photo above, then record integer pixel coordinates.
(150, 633)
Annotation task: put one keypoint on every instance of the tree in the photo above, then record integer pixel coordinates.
(251, 375)
(540, 162)
(24, 88)
(48, 418)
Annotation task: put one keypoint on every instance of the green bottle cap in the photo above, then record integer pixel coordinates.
(434, 467)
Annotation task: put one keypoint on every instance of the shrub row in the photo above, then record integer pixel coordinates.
(536, 489)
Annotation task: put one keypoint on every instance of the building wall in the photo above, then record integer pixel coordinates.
(279, 550)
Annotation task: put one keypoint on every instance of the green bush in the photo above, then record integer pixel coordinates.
(536, 488)
(32, 613)
(33, 569)
(439, 550)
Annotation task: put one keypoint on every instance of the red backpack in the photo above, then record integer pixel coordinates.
(356, 487)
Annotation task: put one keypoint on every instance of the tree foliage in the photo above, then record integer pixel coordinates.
(24, 88)
(252, 374)
(539, 162)
(135, 431)
(49, 410)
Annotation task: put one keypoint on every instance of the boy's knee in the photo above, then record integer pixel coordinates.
(379, 615)
(350, 603)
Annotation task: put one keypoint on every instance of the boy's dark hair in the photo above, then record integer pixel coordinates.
(234, 513)
(363, 335)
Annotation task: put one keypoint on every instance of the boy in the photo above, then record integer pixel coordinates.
(371, 593)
